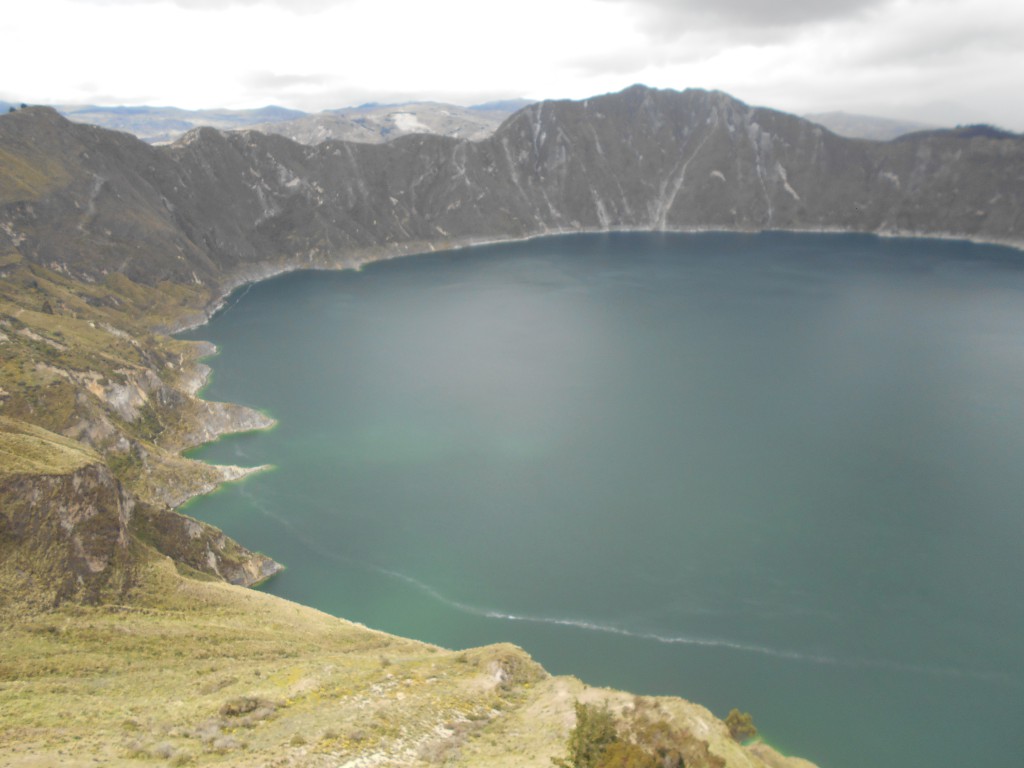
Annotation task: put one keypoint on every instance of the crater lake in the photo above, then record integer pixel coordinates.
(777, 472)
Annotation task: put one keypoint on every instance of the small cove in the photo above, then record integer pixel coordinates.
(779, 472)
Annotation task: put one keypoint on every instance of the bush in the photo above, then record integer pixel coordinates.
(593, 734)
(741, 725)
(643, 739)
(624, 754)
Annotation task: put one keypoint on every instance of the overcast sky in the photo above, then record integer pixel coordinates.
(942, 61)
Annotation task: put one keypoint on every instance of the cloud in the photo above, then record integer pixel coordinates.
(667, 18)
(633, 61)
(888, 56)
(272, 81)
(301, 7)
(619, 63)
(933, 40)
(666, 34)
(941, 61)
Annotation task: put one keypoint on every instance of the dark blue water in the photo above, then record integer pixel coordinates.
(778, 472)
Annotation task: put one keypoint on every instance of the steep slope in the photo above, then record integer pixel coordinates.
(70, 531)
(75, 359)
(95, 413)
(197, 672)
(216, 209)
(83, 201)
(63, 520)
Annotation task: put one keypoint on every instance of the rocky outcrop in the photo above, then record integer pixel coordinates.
(203, 548)
(215, 419)
(171, 481)
(64, 527)
(71, 531)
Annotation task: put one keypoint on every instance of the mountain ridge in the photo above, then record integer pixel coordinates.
(686, 160)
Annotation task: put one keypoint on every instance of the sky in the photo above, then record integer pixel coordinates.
(935, 61)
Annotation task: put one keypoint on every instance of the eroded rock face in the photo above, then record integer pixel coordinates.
(65, 537)
(215, 209)
(71, 531)
(215, 419)
(77, 537)
(203, 548)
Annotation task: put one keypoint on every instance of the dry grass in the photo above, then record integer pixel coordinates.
(220, 675)
(27, 449)
(202, 673)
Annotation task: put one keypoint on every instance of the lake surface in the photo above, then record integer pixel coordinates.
(778, 472)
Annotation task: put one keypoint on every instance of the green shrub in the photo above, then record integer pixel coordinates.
(588, 741)
(625, 754)
(741, 725)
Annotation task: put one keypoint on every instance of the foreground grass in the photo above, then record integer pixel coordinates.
(198, 672)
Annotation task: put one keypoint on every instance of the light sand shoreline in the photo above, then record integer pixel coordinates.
(356, 260)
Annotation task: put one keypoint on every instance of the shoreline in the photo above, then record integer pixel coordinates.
(238, 419)
(356, 260)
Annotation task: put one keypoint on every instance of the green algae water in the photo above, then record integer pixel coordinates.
(778, 472)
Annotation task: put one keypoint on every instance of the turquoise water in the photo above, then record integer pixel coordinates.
(777, 472)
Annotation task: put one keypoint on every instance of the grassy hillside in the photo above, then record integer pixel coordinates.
(198, 672)
(28, 449)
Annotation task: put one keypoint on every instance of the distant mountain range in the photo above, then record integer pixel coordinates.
(369, 123)
(218, 204)
(375, 123)
(867, 127)
(161, 125)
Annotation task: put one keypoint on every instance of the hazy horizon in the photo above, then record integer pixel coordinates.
(954, 62)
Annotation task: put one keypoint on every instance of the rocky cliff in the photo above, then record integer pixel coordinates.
(71, 531)
(215, 209)
(63, 520)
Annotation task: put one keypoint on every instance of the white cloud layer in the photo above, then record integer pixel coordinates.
(295, 6)
(945, 61)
